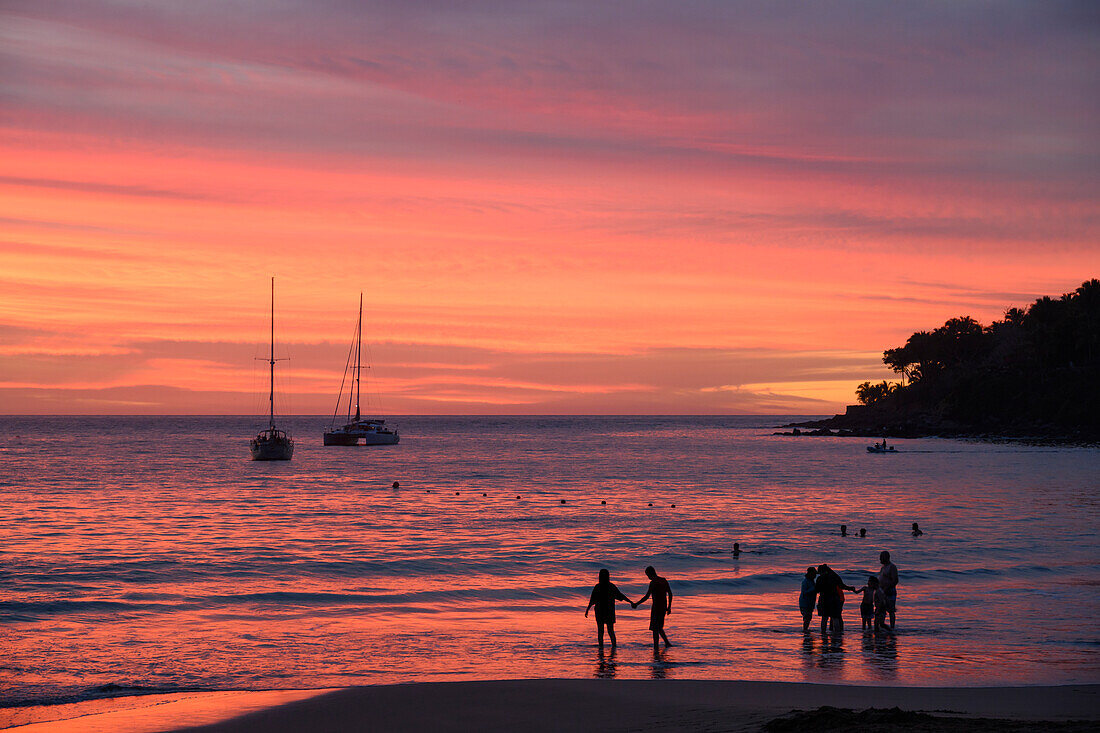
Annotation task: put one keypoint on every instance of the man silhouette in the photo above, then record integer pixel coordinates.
(888, 581)
(662, 605)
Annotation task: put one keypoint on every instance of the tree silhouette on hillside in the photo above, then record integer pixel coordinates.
(1035, 371)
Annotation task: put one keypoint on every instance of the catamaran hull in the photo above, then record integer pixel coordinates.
(361, 439)
(271, 450)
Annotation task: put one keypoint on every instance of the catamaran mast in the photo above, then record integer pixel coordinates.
(271, 361)
(358, 354)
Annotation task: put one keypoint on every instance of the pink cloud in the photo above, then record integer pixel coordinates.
(557, 205)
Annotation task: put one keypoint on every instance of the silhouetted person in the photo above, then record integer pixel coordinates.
(736, 551)
(867, 605)
(862, 532)
(807, 596)
(916, 530)
(825, 597)
(604, 595)
(880, 607)
(830, 598)
(844, 530)
(662, 604)
(888, 580)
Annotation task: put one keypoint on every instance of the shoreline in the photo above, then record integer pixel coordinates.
(844, 425)
(553, 704)
(813, 429)
(144, 712)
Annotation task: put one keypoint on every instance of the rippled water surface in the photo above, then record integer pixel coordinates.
(144, 553)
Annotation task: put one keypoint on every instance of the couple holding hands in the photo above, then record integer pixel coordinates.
(604, 595)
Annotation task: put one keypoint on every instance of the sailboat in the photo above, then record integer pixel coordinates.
(272, 444)
(371, 431)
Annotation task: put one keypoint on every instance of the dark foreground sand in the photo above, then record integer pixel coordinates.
(616, 705)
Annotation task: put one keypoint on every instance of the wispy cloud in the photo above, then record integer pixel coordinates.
(413, 376)
(553, 206)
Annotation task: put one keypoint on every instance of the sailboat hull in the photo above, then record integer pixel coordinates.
(271, 450)
(341, 438)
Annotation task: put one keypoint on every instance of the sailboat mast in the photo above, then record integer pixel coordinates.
(271, 389)
(358, 354)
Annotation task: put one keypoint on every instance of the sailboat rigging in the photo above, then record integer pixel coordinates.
(271, 444)
(371, 431)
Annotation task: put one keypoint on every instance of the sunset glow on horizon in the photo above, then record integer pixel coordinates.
(550, 209)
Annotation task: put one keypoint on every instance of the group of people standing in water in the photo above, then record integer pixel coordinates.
(823, 585)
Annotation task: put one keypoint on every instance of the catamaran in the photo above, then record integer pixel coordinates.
(370, 431)
(272, 444)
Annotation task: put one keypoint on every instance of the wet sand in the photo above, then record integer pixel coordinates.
(145, 713)
(598, 705)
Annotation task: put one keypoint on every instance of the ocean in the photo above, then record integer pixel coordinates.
(144, 554)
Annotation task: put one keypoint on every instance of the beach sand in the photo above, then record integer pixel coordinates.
(594, 705)
(144, 713)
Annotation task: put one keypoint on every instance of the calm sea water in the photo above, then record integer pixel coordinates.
(141, 554)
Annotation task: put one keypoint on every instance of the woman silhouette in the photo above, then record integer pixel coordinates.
(604, 595)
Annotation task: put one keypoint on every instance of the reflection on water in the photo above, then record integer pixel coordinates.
(825, 653)
(881, 651)
(809, 654)
(879, 658)
(663, 663)
(605, 664)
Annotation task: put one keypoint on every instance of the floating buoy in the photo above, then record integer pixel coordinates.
(484, 494)
(563, 501)
(517, 497)
(456, 493)
(396, 485)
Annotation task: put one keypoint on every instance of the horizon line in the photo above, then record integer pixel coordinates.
(387, 417)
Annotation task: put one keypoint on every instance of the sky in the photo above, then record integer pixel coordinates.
(550, 207)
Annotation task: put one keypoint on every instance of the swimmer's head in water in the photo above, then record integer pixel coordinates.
(650, 571)
(915, 527)
(884, 557)
(605, 576)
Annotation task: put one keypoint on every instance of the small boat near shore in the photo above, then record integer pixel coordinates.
(271, 444)
(358, 430)
(881, 448)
